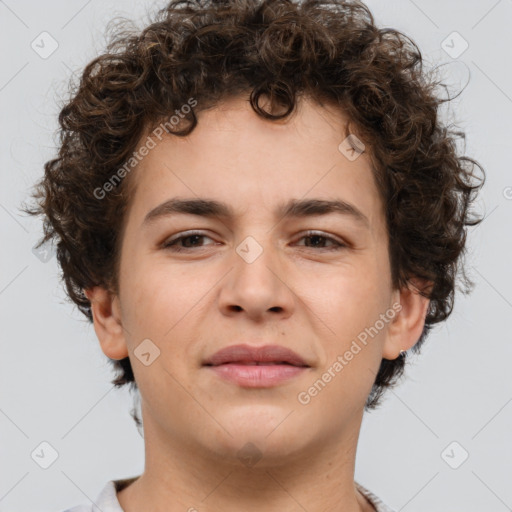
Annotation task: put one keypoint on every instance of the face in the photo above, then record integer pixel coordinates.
(308, 281)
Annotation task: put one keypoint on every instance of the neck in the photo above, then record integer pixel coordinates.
(183, 477)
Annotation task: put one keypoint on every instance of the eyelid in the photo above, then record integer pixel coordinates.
(339, 243)
(185, 234)
(323, 234)
(170, 242)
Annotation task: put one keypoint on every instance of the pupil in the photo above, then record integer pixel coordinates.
(194, 237)
(315, 237)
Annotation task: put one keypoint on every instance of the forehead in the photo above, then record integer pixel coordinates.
(254, 164)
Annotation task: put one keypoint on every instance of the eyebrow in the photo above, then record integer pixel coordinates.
(294, 208)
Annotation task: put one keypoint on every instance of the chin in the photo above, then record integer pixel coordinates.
(259, 436)
(253, 452)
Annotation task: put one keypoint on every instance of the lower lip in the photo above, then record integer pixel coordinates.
(257, 376)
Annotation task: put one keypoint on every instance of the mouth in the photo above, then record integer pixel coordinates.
(250, 355)
(253, 363)
(256, 367)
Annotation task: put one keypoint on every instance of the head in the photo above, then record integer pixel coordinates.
(255, 105)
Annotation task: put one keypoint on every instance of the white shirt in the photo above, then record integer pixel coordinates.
(107, 499)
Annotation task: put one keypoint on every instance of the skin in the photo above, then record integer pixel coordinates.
(296, 293)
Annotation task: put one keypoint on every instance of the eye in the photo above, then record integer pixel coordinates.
(318, 239)
(193, 237)
(189, 241)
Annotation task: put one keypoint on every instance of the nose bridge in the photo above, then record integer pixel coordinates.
(256, 285)
(254, 259)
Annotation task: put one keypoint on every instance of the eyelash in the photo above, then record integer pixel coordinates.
(172, 244)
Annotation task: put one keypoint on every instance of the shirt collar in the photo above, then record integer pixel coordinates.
(107, 500)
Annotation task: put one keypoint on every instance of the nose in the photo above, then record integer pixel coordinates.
(257, 287)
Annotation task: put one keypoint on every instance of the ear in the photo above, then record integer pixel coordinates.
(406, 327)
(106, 314)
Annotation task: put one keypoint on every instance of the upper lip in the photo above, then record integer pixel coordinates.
(249, 354)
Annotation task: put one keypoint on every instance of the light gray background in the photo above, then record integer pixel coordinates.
(55, 381)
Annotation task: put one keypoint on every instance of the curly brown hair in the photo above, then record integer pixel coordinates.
(330, 50)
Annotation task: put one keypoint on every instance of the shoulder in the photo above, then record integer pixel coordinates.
(379, 505)
(106, 501)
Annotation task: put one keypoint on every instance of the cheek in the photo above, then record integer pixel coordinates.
(167, 305)
(351, 303)
(156, 286)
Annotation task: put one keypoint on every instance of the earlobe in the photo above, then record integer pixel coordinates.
(407, 326)
(107, 322)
